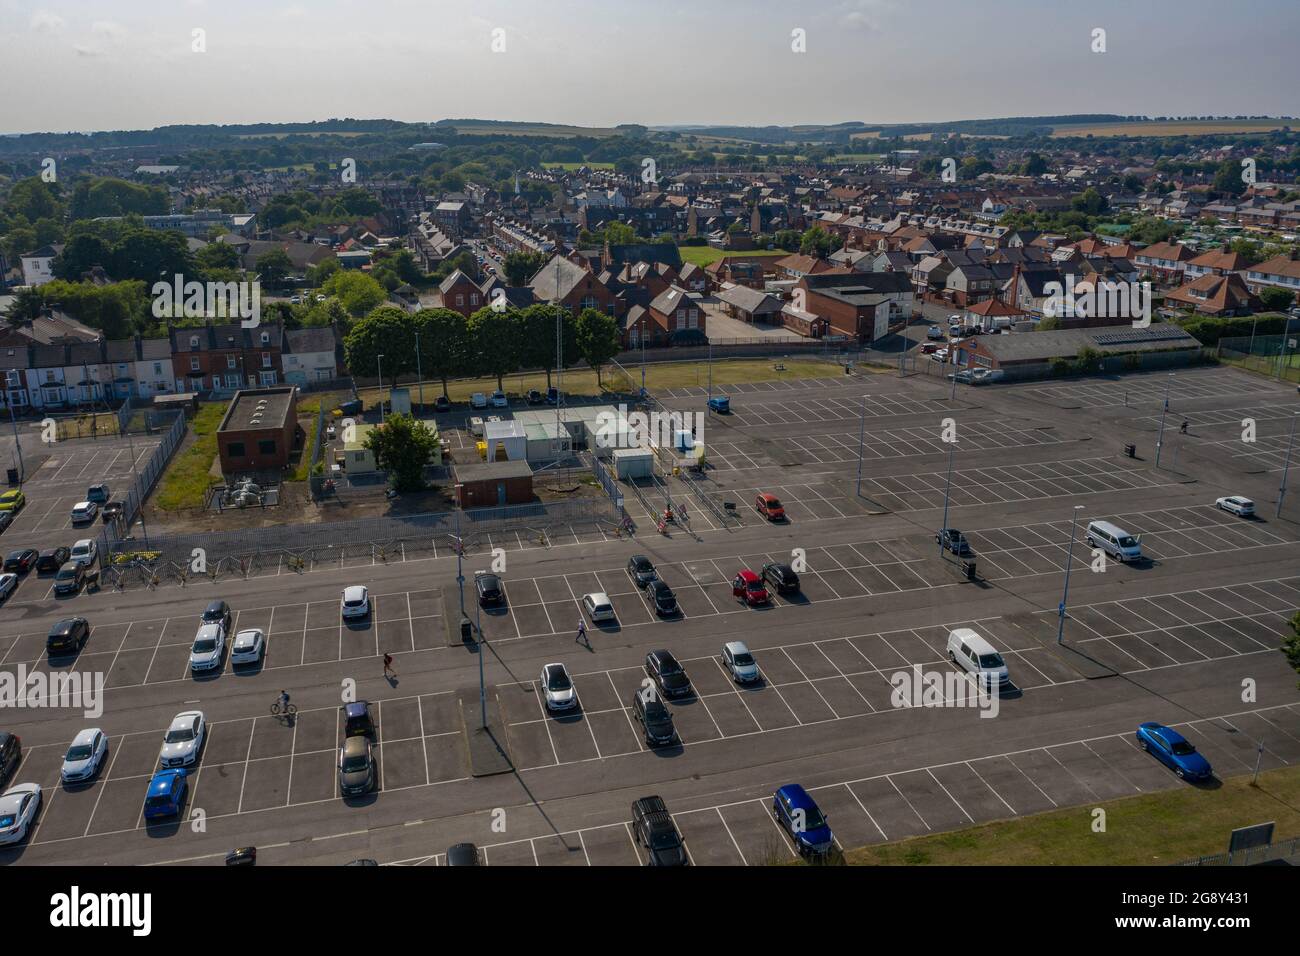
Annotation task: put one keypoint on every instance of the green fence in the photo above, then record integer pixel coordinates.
(1277, 356)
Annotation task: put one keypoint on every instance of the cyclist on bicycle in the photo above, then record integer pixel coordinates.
(284, 702)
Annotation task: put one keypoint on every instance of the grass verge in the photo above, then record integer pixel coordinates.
(186, 478)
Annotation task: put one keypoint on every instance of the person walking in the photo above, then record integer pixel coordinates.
(582, 633)
(388, 665)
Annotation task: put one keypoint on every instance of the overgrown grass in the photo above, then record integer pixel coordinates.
(703, 255)
(1147, 830)
(187, 478)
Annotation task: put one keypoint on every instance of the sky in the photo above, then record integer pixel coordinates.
(134, 64)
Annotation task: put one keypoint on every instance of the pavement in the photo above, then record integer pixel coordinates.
(1171, 639)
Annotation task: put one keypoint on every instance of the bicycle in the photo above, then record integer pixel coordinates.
(288, 710)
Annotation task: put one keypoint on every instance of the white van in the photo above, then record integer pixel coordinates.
(977, 657)
(1114, 540)
(476, 427)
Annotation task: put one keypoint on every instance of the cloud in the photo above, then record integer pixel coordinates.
(43, 21)
(108, 29)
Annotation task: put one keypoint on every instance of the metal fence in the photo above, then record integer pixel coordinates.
(317, 482)
(1277, 356)
(1251, 856)
(608, 482)
(147, 475)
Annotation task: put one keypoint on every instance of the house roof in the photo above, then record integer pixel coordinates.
(1067, 343)
(750, 300)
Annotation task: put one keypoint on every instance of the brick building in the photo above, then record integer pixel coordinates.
(259, 431)
(226, 358)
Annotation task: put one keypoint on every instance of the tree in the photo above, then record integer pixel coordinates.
(274, 267)
(215, 255)
(537, 337)
(1276, 300)
(403, 446)
(387, 331)
(494, 342)
(444, 343)
(27, 305)
(150, 255)
(619, 234)
(80, 255)
(1227, 178)
(598, 339)
(522, 266)
(356, 291)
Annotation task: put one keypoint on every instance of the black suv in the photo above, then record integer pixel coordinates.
(67, 636)
(782, 578)
(653, 828)
(218, 612)
(663, 598)
(667, 673)
(110, 511)
(489, 589)
(654, 717)
(11, 755)
(641, 570)
(52, 559)
(442, 404)
(21, 561)
(952, 540)
(535, 397)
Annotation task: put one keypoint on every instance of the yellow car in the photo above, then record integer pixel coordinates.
(12, 500)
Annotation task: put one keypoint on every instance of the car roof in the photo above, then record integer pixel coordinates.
(355, 745)
(599, 597)
(974, 640)
(185, 718)
(249, 632)
(354, 590)
(210, 629)
(356, 708)
(737, 647)
(795, 795)
(86, 736)
(746, 575)
(163, 782)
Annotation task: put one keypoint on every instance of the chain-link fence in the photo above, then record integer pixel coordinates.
(1277, 356)
(1252, 856)
(148, 473)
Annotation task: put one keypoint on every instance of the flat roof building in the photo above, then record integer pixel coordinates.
(259, 430)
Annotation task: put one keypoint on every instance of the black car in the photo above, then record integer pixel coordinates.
(52, 559)
(218, 612)
(110, 512)
(535, 397)
(950, 539)
(552, 396)
(489, 589)
(463, 854)
(654, 829)
(11, 755)
(781, 577)
(667, 673)
(443, 404)
(357, 720)
(663, 598)
(21, 561)
(67, 636)
(70, 578)
(641, 570)
(655, 718)
(6, 519)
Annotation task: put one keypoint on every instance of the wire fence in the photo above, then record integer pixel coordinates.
(1277, 356)
(1251, 856)
(150, 471)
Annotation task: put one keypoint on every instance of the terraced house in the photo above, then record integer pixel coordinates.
(225, 358)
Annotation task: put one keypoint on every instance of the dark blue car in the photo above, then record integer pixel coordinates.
(793, 809)
(720, 404)
(166, 794)
(1172, 749)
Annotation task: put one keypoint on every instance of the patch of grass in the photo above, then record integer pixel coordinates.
(1167, 128)
(1154, 829)
(703, 255)
(187, 477)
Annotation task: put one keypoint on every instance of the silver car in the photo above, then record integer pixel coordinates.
(739, 662)
(184, 740)
(209, 648)
(249, 647)
(558, 689)
(18, 809)
(85, 757)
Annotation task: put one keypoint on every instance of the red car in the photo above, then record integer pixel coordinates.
(749, 587)
(770, 507)
(929, 348)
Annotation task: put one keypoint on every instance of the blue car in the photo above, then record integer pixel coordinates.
(720, 404)
(166, 794)
(1172, 749)
(793, 809)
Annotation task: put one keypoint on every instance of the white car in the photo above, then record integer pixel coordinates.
(478, 400)
(209, 648)
(739, 662)
(1241, 507)
(18, 809)
(84, 511)
(84, 552)
(249, 647)
(355, 602)
(499, 399)
(598, 607)
(939, 355)
(7, 584)
(558, 689)
(184, 740)
(85, 756)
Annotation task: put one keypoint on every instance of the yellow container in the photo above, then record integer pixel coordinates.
(482, 450)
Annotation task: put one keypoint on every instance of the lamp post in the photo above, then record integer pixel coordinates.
(947, 488)
(10, 376)
(1069, 561)
(379, 361)
(1286, 466)
(419, 373)
(479, 642)
(1160, 438)
(862, 437)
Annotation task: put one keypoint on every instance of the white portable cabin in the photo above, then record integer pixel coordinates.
(633, 462)
(548, 441)
(507, 437)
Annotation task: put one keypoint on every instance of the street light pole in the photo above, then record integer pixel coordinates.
(1160, 438)
(419, 373)
(1069, 561)
(862, 438)
(947, 488)
(13, 420)
(482, 687)
(460, 550)
(1286, 467)
(379, 360)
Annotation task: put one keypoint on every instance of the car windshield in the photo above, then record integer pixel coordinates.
(65, 573)
(755, 587)
(355, 762)
(205, 645)
(79, 752)
(813, 819)
(556, 679)
(1127, 542)
(642, 564)
(773, 502)
(990, 660)
(159, 801)
(744, 659)
(179, 735)
(1182, 749)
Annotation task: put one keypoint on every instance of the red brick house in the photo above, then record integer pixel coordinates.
(674, 311)
(226, 358)
(462, 294)
(573, 287)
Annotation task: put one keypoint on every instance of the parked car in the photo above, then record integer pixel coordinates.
(6, 519)
(973, 654)
(11, 756)
(21, 561)
(499, 399)
(85, 552)
(552, 396)
(934, 332)
(598, 607)
(209, 649)
(769, 506)
(12, 500)
(249, 647)
(1114, 540)
(720, 404)
(799, 814)
(18, 809)
(950, 539)
(217, 612)
(8, 582)
(85, 757)
(739, 662)
(68, 636)
(655, 718)
(1237, 505)
(111, 512)
(1174, 751)
(654, 829)
(442, 404)
(641, 570)
(929, 348)
(490, 591)
(535, 397)
(51, 559)
(356, 767)
(478, 400)
(463, 854)
(781, 577)
(84, 511)
(557, 688)
(99, 494)
(662, 597)
(183, 740)
(166, 794)
(70, 578)
(355, 602)
(669, 676)
(357, 720)
(749, 587)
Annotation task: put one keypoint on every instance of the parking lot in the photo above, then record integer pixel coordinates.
(1170, 638)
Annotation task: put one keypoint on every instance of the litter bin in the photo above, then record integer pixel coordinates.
(1130, 450)
(968, 568)
(466, 629)
(12, 475)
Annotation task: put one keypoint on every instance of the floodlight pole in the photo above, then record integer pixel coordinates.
(947, 488)
(1069, 561)
(1286, 466)
(460, 550)
(379, 361)
(862, 438)
(419, 373)
(1160, 438)
(482, 688)
(13, 420)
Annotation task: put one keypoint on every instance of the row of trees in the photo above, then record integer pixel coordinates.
(442, 344)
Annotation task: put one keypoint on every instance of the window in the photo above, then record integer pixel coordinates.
(460, 299)
(268, 378)
(230, 361)
(266, 360)
(266, 338)
(473, 298)
(157, 368)
(194, 342)
(194, 365)
(235, 449)
(232, 381)
(266, 447)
